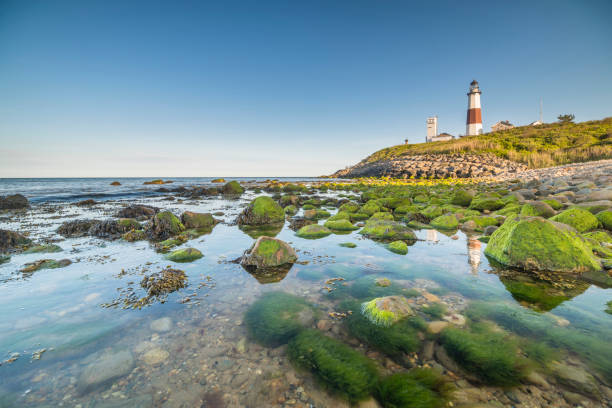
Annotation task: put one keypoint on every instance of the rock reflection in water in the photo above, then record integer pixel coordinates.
(268, 275)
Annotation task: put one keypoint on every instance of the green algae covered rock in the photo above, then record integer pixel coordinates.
(387, 230)
(398, 247)
(534, 243)
(580, 219)
(385, 311)
(492, 356)
(291, 210)
(537, 209)
(134, 235)
(128, 224)
(417, 388)
(232, 188)
(313, 231)
(340, 215)
(184, 255)
(164, 225)
(43, 248)
(370, 208)
(340, 225)
(197, 220)
(382, 216)
(262, 210)
(462, 198)
(359, 217)
(554, 204)
(432, 211)
(605, 218)
(446, 222)
(276, 317)
(349, 207)
(268, 252)
(338, 366)
(483, 202)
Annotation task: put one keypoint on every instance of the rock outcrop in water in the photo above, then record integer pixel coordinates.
(13, 202)
(164, 225)
(11, 240)
(534, 243)
(268, 252)
(263, 210)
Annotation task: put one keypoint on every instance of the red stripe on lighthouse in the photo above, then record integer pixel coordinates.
(474, 116)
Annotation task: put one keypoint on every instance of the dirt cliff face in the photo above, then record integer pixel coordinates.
(433, 166)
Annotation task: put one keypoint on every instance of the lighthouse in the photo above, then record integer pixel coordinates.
(474, 115)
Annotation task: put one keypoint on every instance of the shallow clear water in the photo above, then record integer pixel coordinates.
(200, 351)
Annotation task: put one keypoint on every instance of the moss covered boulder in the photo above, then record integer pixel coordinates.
(184, 255)
(445, 222)
(537, 209)
(134, 235)
(164, 225)
(291, 210)
(338, 366)
(605, 218)
(370, 208)
(398, 247)
(277, 317)
(387, 230)
(197, 220)
(313, 231)
(262, 210)
(385, 311)
(462, 198)
(582, 220)
(534, 243)
(340, 225)
(340, 215)
(382, 216)
(349, 207)
(268, 252)
(233, 188)
(484, 202)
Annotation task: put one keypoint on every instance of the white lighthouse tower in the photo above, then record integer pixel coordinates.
(474, 115)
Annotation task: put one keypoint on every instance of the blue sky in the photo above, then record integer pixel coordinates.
(278, 88)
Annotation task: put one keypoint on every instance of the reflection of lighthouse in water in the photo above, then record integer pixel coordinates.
(473, 254)
(432, 235)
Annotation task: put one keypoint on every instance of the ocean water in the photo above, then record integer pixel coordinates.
(67, 340)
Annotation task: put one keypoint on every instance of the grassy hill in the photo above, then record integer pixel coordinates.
(536, 146)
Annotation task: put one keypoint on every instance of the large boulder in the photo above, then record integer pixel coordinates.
(13, 202)
(197, 220)
(232, 188)
(534, 243)
(462, 198)
(10, 240)
(262, 210)
(268, 252)
(445, 222)
(605, 218)
(164, 225)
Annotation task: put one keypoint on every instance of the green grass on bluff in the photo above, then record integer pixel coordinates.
(550, 144)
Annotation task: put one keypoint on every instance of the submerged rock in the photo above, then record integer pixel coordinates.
(11, 240)
(45, 264)
(161, 325)
(263, 210)
(155, 356)
(104, 370)
(385, 311)
(534, 243)
(268, 252)
(43, 248)
(184, 255)
(13, 202)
